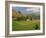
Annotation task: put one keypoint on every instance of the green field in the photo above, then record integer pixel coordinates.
(25, 25)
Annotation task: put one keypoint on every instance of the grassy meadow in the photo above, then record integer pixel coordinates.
(25, 25)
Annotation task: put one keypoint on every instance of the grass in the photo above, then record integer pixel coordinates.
(25, 25)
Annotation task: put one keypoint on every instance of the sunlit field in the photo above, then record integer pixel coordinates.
(25, 25)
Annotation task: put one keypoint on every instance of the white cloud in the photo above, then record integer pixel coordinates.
(28, 9)
(33, 9)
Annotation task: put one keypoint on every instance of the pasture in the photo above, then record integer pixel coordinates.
(25, 25)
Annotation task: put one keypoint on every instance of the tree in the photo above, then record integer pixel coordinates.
(12, 16)
(27, 17)
(19, 12)
(36, 26)
(31, 18)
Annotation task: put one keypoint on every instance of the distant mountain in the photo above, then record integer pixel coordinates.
(16, 14)
(36, 14)
(19, 14)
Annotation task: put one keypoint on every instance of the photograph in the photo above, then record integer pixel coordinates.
(25, 18)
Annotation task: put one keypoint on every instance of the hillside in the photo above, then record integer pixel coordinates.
(16, 14)
(19, 14)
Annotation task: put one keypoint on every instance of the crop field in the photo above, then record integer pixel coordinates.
(25, 25)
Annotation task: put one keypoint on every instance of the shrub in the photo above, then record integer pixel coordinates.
(36, 26)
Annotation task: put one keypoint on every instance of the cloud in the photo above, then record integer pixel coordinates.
(28, 9)
(33, 9)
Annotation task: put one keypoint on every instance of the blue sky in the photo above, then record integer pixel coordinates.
(27, 10)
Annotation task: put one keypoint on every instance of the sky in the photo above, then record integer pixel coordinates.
(27, 10)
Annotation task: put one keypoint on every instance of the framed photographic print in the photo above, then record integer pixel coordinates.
(24, 18)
